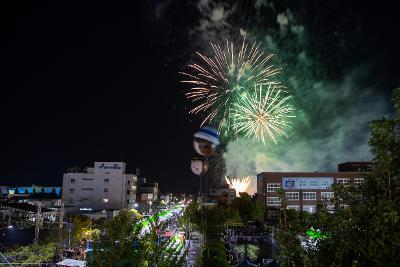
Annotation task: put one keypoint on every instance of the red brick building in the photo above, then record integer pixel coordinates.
(303, 190)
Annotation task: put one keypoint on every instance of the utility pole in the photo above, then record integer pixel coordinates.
(38, 219)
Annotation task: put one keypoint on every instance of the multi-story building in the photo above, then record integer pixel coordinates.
(105, 186)
(146, 194)
(303, 190)
(223, 195)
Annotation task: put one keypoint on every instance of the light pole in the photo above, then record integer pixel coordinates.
(69, 231)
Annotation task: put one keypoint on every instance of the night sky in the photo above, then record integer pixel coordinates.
(100, 82)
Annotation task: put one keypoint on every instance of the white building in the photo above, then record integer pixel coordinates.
(104, 187)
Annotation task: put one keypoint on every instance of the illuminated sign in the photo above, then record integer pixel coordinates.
(307, 182)
(115, 166)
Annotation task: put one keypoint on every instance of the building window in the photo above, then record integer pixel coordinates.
(309, 196)
(72, 180)
(273, 214)
(293, 207)
(327, 195)
(273, 187)
(358, 181)
(105, 190)
(309, 208)
(273, 201)
(70, 200)
(106, 180)
(105, 200)
(313, 183)
(344, 181)
(71, 190)
(292, 195)
(87, 189)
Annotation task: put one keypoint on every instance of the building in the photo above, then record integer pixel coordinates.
(146, 194)
(105, 186)
(303, 190)
(363, 166)
(30, 206)
(222, 195)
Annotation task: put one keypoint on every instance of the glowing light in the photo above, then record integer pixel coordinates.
(262, 114)
(220, 80)
(239, 184)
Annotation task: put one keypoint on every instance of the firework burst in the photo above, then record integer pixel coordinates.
(263, 113)
(239, 184)
(218, 81)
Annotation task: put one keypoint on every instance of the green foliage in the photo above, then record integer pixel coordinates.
(214, 254)
(249, 208)
(79, 226)
(121, 245)
(213, 217)
(35, 253)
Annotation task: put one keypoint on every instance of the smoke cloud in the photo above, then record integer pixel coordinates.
(333, 103)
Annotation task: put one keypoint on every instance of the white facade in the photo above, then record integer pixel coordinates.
(106, 186)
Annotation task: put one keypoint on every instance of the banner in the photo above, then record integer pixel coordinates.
(307, 182)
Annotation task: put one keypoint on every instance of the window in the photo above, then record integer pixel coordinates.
(273, 201)
(292, 195)
(343, 180)
(294, 207)
(71, 190)
(273, 214)
(358, 181)
(70, 200)
(87, 189)
(309, 208)
(105, 190)
(273, 187)
(309, 196)
(106, 180)
(87, 179)
(327, 195)
(72, 180)
(128, 192)
(313, 183)
(105, 200)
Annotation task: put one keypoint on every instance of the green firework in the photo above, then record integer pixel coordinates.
(262, 113)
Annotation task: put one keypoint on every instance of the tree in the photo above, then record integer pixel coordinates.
(79, 226)
(249, 208)
(214, 254)
(124, 244)
(35, 253)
